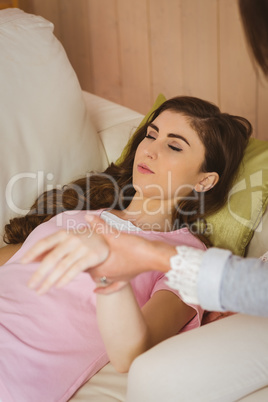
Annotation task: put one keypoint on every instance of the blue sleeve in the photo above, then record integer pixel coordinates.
(230, 283)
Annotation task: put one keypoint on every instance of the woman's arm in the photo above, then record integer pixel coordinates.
(128, 331)
(7, 252)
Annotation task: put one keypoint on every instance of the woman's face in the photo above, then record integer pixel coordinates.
(168, 160)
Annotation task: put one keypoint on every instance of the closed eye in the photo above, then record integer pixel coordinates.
(175, 148)
(150, 137)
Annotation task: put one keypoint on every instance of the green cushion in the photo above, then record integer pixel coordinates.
(233, 226)
(159, 100)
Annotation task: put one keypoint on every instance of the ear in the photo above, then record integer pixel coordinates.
(207, 182)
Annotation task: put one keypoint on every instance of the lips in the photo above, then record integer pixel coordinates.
(142, 168)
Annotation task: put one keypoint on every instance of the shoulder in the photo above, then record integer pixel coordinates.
(71, 219)
(8, 251)
(180, 237)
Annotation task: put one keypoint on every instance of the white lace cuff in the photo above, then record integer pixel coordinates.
(184, 271)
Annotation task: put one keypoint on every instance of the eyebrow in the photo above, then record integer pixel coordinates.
(170, 135)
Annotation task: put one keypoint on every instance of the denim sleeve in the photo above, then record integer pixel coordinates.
(230, 283)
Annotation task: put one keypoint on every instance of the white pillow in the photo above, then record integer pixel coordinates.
(47, 138)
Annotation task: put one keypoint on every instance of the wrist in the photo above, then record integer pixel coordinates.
(159, 255)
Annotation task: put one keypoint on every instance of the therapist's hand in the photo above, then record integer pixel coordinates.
(129, 255)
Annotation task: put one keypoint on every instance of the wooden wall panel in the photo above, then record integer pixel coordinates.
(74, 34)
(238, 83)
(26, 5)
(164, 20)
(134, 54)
(8, 3)
(262, 110)
(130, 50)
(104, 49)
(200, 48)
(48, 9)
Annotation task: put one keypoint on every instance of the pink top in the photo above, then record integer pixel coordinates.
(50, 345)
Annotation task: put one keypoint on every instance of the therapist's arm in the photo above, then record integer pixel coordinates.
(240, 284)
(221, 281)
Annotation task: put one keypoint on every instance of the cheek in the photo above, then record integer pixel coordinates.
(139, 149)
(137, 156)
(179, 188)
(182, 181)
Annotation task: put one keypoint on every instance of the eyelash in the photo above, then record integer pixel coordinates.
(175, 148)
(170, 146)
(149, 136)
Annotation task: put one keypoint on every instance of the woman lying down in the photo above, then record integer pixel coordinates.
(55, 331)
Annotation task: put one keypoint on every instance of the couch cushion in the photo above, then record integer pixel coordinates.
(258, 244)
(106, 386)
(47, 137)
(114, 123)
(234, 225)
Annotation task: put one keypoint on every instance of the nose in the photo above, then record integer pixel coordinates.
(151, 151)
(150, 154)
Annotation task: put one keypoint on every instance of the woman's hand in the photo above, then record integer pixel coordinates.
(63, 256)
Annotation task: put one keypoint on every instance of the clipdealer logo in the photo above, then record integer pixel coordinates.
(37, 182)
(253, 195)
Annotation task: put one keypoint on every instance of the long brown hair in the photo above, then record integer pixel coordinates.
(254, 16)
(224, 137)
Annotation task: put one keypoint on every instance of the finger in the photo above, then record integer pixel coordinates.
(83, 264)
(77, 268)
(51, 260)
(69, 264)
(43, 246)
(67, 269)
(114, 287)
(96, 273)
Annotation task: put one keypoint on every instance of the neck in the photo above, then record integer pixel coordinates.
(148, 214)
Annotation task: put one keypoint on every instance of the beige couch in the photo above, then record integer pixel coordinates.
(52, 132)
